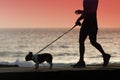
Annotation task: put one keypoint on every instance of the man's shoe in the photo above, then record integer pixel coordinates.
(80, 64)
(106, 59)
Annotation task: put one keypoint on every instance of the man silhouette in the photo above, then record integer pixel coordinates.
(89, 28)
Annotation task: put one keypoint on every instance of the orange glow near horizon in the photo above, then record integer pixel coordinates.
(53, 13)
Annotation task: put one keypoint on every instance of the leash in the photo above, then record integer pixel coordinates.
(56, 39)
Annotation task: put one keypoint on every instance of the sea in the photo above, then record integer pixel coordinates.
(16, 43)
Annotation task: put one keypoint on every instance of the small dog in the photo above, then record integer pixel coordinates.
(40, 58)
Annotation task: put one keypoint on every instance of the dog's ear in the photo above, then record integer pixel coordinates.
(30, 53)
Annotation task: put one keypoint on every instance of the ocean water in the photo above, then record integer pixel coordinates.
(16, 43)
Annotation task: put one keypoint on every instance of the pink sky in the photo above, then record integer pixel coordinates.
(54, 13)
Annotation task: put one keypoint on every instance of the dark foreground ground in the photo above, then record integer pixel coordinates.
(111, 72)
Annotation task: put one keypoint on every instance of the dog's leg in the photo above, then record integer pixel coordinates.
(51, 65)
(36, 66)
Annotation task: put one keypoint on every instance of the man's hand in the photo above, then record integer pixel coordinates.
(78, 23)
(78, 12)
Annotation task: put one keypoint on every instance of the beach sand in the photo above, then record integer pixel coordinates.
(112, 71)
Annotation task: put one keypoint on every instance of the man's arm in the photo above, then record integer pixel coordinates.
(79, 12)
(80, 18)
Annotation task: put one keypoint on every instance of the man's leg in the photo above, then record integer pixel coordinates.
(82, 38)
(93, 40)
